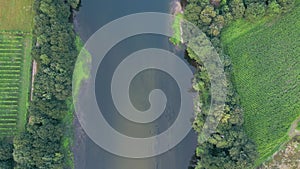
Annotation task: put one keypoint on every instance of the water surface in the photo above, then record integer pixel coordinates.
(92, 15)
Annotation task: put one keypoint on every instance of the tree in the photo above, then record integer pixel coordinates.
(207, 15)
(6, 164)
(228, 147)
(237, 8)
(192, 13)
(74, 3)
(286, 4)
(6, 150)
(254, 11)
(273, 8)
(248, 2)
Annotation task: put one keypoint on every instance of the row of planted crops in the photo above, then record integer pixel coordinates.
(11, 62)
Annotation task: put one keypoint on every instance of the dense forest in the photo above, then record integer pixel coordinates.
(41, 145)
(6, 158)
(228, 147)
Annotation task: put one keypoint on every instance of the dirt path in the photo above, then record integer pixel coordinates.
(293, 131)
(288, 156)
(34, 71)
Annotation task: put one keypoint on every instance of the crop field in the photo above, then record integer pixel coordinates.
(14, 81)
(16, 15)
(266, 57)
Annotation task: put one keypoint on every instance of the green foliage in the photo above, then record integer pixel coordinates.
(6, 164)
(255, 11)
(237, 8)
(67, 140)
(286, 4)
(6, 158)
(298, 126)
(248, 2)
(207, 14)
(74, 3)
(228, 147)
(192, 12)
(273, 8)
(81, 70)
(38, 149)
(266, 75)
(206, 17)
(6, 150)
(176, 27)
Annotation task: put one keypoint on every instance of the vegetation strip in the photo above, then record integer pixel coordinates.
(47, 140)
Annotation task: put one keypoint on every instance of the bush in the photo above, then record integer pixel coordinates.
(255, 10)
(273, 8)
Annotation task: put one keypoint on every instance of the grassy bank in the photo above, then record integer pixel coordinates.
(265, 57)
(68, 137)
(176, 27)
(81, 70)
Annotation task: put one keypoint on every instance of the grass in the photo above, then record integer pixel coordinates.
(25, 82)
(176, 27)
(67, 141)
(15, 61)
(265, 57)
(81, 70)
(298, 126)
(16, 15)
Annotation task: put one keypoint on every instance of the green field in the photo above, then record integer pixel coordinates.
(266, 57)
(16, 15)
(15, 64)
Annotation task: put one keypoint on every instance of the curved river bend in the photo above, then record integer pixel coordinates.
(92, 15)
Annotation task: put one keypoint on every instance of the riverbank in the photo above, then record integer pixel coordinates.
(177, 11)
(80, 73)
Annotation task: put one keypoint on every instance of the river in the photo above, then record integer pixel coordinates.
(92, 15)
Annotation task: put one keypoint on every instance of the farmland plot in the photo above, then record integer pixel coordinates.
(265, 58)
(14, 81)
